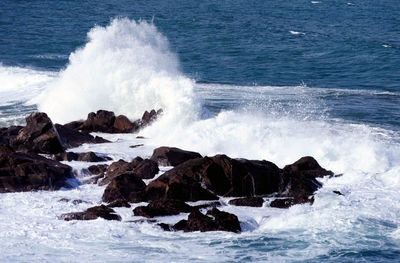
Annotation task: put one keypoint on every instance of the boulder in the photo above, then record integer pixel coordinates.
(219, 221)
(123, 125)
(92, 213)
(288, 202)
(149, 117)
(37, 136)
(101, 121)
(83, 157)
(6, 134)
(162, 208)
(170, 156)
(247, 201)
(146, 169)
(307, 166)
(126, 187)
(29, 171)
(119, 203)
(98, 169)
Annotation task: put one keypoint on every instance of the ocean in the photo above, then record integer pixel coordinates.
(273, 80)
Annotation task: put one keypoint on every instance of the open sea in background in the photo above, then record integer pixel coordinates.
(274, 80)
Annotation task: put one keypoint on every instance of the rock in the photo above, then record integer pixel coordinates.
(220, 221)
(6, 134)
(247, 201)
(162, 208)
(288, 202)
(126, 187)
(83, 157)
(71, 138)
(337, 192)
(92, 213)
(29, 171)
(136, 145)
(123, 125)
(307, 166)
(165, 227)
(102, 121)
(225, 221)
(170, 156)
(208, 205)
(98, 169)
(119, 203)
(37, 136)
(74, 125)
(149, 117)
(146, 169)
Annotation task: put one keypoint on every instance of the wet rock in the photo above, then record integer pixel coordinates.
(123, 125)
(126, 187)
(337, 192)
(307, 166)
(207, 205)
(165, 227)
(71, 138)
(92, 213)
(83, 157)
(37, 136)
(170, 156)
(215, 220)
(288, 202)
(136, 145)
(247, 201)
(146, 169)
(98, 169)
(101, 121)
(6, 134)
(28, 171)
(119, 203)
(149, 117)
(162, 208)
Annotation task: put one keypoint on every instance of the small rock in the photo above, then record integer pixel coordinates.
(247, 201)
(119, 203)
(170, 156)
(162, 208)
(92, 213)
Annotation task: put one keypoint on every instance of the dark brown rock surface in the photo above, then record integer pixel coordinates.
(171, 156)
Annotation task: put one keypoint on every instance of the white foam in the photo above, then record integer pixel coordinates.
(127, 68)
(296, 33)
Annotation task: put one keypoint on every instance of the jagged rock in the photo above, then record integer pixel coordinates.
(170, 156)
(149, 117)
(29, 171)
(123, 125)
(126, 187)
(37, 136)
(165, 227)
(307, 166)
(247, 201)
(98, 169)
(220, 221)
(162, 208)
(71, 137)
(92, 213)
(144, 169)
(101, 121)
(337, 192)
(6, 134)
(119, 203)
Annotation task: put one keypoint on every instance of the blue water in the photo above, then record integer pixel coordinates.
(336, 61)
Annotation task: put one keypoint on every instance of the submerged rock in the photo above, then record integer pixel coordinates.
(92, 213)
(83, 157)
(29, 171)
(170, 156)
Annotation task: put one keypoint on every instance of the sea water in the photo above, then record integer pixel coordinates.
(250, 79)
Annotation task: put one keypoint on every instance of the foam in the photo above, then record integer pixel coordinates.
(127, 68)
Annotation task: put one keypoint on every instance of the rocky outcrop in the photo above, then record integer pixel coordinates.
(170, 156)
(92, 213)
(247, 201)
(6, 134)
(162, 208)
(70, 136)
(37, 136)
(126, 187)
(29, 171)
(215, 220)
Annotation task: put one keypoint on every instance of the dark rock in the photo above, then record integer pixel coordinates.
(136, 145)
(98, 169)
(119, 203)
(337, 192)
(7, 134)
(288, 202)
(83, 157)
(149, 117)
(162, 208)
(123, 125)
(37, 136)
(102, 121)
(29, 171)
(219, 221)
(92, 213)
(307, 166)
(74, 125)
(165, 227)
(140, 137)
(126, 187)
(66, 200)
(208, 205)
(225, 221)
(146, 169)
(247, 201)
(170, 156)
(71, 138)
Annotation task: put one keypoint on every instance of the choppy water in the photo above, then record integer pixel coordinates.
(251, 79)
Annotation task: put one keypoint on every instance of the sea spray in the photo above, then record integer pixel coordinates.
(126, 67)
